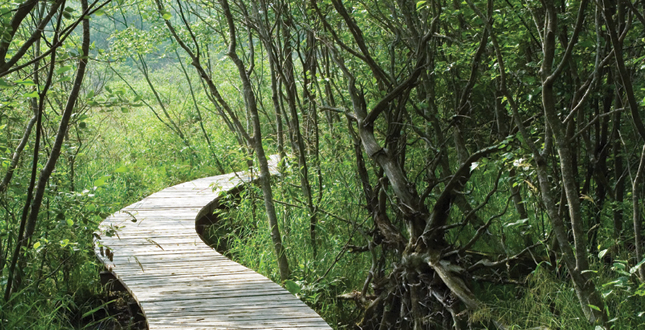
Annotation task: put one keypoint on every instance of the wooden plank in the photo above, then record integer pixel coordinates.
(179, 281)
(191, 327)
(248, 323)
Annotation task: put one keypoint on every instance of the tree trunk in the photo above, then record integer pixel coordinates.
(31, 221)
(256, 142)
(638, 221)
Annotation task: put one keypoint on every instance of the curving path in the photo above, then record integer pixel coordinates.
(153, 248)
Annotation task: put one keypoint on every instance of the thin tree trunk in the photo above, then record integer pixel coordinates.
(297, 139)
(619, 190)
(34, 172)
(220, 167)
(16, 155)
(256, 142)
(622, 70)
(31, 220)
(637, 218)
(173, 125)
(576, 263)
(62, 128)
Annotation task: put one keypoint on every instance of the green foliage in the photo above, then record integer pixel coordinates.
(138, 128)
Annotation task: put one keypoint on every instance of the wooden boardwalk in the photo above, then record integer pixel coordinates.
(180, 282)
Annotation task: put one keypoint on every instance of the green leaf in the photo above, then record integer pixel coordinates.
(167, 16)
(602, 253)
(63, 69)
(292, 287)
(4, 84)
(33, 94)
(640, 291)
(594, 307)
(635, 268)
(619, 266)
(121, 169)
(420, 3)
(518, 222)
(614, 282)
(606, 293)
(70, 222)
(101, 181)
(36, 245)
(26, 82)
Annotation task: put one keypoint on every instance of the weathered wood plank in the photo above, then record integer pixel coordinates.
(179, 281)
